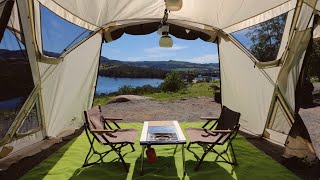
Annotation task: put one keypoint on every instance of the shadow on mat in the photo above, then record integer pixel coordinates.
(209, 168)
(106, 170)
(56, 156)
(164, 168)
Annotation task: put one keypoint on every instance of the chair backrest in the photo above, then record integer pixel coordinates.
(93, 121)
(228, 119)
(93, 118)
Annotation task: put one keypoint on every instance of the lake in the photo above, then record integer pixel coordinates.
(110, 84)
(10, 103)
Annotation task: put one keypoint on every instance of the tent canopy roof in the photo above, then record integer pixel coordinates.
(228, 15)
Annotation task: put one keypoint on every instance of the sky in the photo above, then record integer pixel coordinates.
(146, 48)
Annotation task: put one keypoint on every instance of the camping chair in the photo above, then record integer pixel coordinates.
(226, 130)
(115, 138)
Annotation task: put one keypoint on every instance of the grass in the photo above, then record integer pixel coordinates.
(101, 100)
(194, 90)
(67, 162)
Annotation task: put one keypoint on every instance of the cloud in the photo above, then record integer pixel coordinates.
(157, 49)
(157, 53)
(152, 57)
(207, 58)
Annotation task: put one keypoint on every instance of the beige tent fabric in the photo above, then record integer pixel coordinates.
(25, 147)
(50, 4)
(216, 13)
(67, 88)
(289, 75)
(13, 23)
(240, 82)
(316, 31)
(1, 6)
(264, 16)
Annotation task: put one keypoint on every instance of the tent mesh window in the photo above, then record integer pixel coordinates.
(58, 34)
(279, 122)
(263, 40)
(308, 88)
(31, 122)
(15, 79)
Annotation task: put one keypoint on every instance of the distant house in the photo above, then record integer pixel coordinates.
(201, 78)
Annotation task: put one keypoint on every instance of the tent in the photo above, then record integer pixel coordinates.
(264, 92)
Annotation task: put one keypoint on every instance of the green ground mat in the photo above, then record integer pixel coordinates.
(67, 162)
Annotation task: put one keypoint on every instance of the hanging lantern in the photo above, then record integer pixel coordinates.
(173, 5)
(166, 41)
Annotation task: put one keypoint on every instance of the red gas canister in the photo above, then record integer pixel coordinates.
(151, 155)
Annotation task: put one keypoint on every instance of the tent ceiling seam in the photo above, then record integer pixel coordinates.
(257, 14)
(70, 13)
(157, 19)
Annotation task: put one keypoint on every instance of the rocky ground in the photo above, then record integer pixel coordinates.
(139, 110)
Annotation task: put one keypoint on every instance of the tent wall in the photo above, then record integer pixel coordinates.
(244, 87)
(292, 60)
(14, 141)
(68, 87)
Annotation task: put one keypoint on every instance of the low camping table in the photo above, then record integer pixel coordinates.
(162, 133)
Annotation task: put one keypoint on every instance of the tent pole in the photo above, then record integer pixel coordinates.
(95, 85)
(218, 44)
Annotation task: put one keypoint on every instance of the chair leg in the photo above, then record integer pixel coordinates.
(200, 162)
(235, 162)
(206, 124)
(204, 154)
(132, 147)
(91, 149)
(123, 163)
(188, 147)
(121, 158)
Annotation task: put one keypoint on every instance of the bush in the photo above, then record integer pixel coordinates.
(129, 90)
(173, 82)
(126, 89)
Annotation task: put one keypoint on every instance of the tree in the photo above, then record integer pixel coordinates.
(313, 66)
(173, 82)
(266, 38)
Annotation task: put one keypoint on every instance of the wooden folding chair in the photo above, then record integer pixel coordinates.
(116, 138)
(227, 127)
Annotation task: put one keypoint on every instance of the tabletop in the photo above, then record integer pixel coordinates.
(162, 132)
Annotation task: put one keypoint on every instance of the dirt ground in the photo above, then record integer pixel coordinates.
(181, 110)
(151, 110)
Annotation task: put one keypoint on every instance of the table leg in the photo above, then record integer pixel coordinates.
(175, 150)
(142, 158)
(183, 161)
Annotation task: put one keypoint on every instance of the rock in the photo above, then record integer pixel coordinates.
(126, 98)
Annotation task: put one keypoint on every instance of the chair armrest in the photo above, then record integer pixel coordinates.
(214, 132)
(221, 131)
(104, 131)
(111, 118)
(209, 118)
(101, 131)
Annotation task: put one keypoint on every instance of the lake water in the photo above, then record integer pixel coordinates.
(110, 84)
(10, 103)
